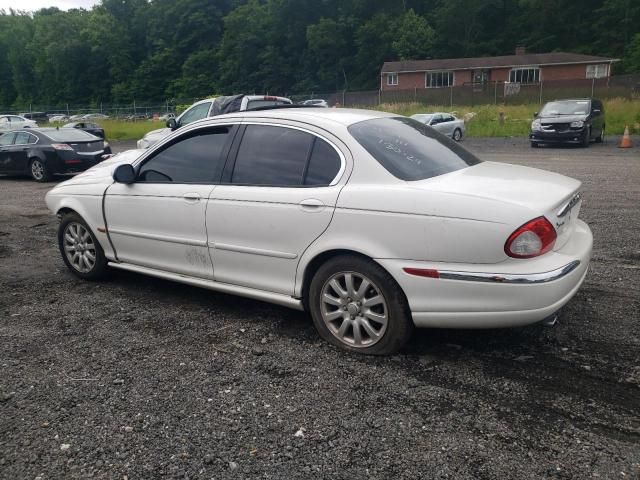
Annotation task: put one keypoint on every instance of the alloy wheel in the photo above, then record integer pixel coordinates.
(79, 247)
(354, 309)
(37, 170)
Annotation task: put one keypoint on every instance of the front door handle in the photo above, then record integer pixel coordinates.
(312, 204)
(191, 197)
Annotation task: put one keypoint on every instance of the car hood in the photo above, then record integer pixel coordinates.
(157, 134)
(103, 171)
(562, 118)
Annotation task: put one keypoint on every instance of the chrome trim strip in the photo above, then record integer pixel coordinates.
(276, 298)
(90, 153)
(160, 238)
(253, 251)
(566, 208)
(520, 278)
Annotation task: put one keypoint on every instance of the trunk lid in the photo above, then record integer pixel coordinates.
(538, 191)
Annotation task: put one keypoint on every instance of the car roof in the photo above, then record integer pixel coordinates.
(344, 116)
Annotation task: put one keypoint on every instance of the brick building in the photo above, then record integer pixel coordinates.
(522, 68)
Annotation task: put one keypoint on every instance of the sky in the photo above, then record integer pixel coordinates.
(31, 5)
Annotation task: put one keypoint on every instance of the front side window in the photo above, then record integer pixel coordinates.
(392, 79)
(438, 79)
(525, 75)
(410, 150)
(195, 158)
(7, 138)
(195, 113)
(597, 71)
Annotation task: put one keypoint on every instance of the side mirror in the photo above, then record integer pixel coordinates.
(172, 124)
(124, 174)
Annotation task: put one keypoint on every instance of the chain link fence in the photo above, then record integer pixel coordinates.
(487, 93)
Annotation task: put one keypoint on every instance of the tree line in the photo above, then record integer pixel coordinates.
(124, 50)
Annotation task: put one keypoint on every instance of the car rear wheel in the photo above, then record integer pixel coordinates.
(39, 171)
(80, 249)
(457, 134)
(356, 305)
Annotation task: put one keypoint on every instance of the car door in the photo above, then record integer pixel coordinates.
(159, 220)
(278, 195)
(448, 125)
(6, 140)
(18, 152)
(597, 122)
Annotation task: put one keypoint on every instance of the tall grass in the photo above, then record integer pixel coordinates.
(619, 113)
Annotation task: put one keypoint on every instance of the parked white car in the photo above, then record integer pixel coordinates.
(209, 108)
(95, 116)
(445, 123)
(373, 222)
(316, 102)
(12, 122)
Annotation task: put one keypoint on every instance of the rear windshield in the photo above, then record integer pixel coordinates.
(70, 135)
(572, 107)
(410, 150)
(265, 103)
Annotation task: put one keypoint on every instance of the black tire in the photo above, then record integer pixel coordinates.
(99, 268)
(399, 326)
(534, 145)
(457, 135)
(600, 138)
(587, 138)
(39, 171)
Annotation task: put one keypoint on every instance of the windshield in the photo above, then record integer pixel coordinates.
(571, 107)
(410, 150)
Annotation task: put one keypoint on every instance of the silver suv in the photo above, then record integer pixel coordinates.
(209, 108)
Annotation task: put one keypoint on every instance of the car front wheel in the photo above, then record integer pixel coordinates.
(356, 305)
(80, 249)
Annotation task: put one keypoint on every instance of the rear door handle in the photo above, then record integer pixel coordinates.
(192, 197)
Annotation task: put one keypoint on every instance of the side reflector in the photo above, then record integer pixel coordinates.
(72, 162)
(422, 272)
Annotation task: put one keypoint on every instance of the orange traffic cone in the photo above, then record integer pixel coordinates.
(626, 139)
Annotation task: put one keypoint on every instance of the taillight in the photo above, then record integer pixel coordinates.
(61, 146)
(531, 239)
(273, 99)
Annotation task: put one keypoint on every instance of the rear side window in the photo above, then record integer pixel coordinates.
(196, 158)
(324, 164)
(273, 156)
(410, 150)
(23, 138)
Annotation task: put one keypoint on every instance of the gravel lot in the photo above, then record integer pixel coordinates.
(141, 378)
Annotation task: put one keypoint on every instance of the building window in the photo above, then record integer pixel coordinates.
(438, 79)
(525, 75)
(597, 71)
(392, 79)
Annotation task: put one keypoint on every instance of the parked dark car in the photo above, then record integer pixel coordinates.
(43, 152)
(92, 128)
(569, 121)
(36, 116)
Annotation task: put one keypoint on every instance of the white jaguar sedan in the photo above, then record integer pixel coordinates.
(373, 222)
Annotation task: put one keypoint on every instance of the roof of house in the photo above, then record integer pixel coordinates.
(553, 58)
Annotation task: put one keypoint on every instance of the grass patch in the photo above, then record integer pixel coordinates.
(517, 118)
(122, 130)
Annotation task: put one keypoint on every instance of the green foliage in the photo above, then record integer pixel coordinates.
(125, 50)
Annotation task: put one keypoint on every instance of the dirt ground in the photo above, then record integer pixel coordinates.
(140, 378)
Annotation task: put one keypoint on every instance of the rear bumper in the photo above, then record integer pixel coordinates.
(66, 162)
(512, 293)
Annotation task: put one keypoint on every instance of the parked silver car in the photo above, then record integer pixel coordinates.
(315, 102)
(209, 108)
(445, 123)
(12, 122)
